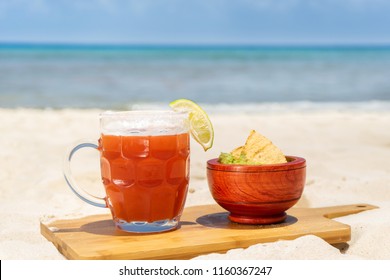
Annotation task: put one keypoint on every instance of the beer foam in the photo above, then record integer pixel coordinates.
(144, 123)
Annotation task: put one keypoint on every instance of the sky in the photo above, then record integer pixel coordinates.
(196, 22)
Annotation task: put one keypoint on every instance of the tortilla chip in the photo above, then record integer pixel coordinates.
(260, 150)
(237, 152)
(257, 150)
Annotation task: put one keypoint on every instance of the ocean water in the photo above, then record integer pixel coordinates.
(122, 77)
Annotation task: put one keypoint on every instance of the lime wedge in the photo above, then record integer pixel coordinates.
(200, 125)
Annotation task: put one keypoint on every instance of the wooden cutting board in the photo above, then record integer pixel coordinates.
(203, 229)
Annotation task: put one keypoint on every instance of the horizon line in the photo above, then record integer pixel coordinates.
(189, 45)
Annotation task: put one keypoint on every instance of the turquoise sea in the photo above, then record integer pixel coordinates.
(120, 77)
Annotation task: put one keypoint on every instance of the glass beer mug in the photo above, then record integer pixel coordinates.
(144, 160)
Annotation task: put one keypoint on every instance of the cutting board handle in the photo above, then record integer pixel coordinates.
(344, 210)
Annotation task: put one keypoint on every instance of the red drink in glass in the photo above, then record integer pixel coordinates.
(144, 158)
(146, 177)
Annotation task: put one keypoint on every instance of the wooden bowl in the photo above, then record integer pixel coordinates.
(257, 194)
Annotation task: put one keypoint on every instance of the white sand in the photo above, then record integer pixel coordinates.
(347, 153)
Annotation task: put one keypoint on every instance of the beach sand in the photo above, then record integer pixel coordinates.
(347, 153)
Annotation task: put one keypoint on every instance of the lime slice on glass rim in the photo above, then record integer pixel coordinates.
(201, 127)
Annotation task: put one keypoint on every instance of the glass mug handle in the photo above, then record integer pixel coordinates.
(82, 194)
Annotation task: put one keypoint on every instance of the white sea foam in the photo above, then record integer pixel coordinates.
(281, 107)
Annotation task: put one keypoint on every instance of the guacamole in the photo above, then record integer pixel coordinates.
(228, 158)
